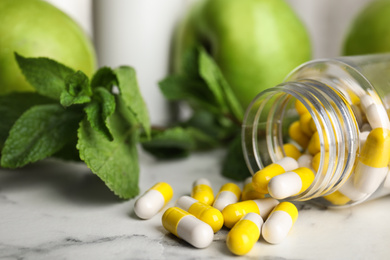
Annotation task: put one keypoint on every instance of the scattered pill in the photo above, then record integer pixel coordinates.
(261, 178)
(248, 192)
(296, 134)
(187, 227)
(291, 151)
(279, 222)
(244, 234)
(228, 194)
(202, 191)
(202, 211)
(371, 168)
(234, 212)
(153, 200)
(290, 183)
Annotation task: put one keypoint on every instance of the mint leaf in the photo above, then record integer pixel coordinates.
(77, 89)
(129, 91)
(234, 165)
(13, 105)
(115, 162)
(105, 78)
(98, 111)
(211, 74)
(170, 143)
(38, 133)
(45, 75)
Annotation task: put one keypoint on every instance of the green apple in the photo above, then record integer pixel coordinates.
(35, 28)
(370, 30)
(256, 43)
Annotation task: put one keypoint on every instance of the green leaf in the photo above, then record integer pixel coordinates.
(234, 165)
(105, 78)
(99, 110)
(38, 133)
(170, 143)
(210, 73)
(115, 162)
(13, 105)
(45, 75)
(201, 139)
(129, 91)
(77, 90)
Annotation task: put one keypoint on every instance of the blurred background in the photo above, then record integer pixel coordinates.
(138, 33)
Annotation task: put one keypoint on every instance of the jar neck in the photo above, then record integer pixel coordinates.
(265, 130)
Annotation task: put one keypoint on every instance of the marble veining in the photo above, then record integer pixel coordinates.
(58, 210)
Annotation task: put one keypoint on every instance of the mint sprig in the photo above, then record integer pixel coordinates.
(71, 111)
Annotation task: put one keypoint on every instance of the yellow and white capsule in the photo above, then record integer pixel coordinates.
(349, 191)
(202, 211)
(371, 168)
(290, 183)
(202, 191)
(153, 200)
(279, 222)
(261, 178)
(291, 151)
(228, 194)
(187, 227)
(245, 233)
(234, 212)
(249, 193)
(296, 133)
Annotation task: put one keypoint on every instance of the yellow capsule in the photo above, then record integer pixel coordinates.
(245, 233)
(296, 134)
(290, 183)
(153, 200)
(314, 146)
(317, 159)
(249, 193)
(234, 212)
(337, 198)
(261, 178)
(279, 222)
(228, 194)
(304, 123)
(202, 211)
(371, 168)
(300, 108)
(187, 227)
(291, 151)
(202, 191)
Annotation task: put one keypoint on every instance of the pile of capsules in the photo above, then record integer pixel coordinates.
(195, 219)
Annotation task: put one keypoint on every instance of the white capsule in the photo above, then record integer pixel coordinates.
(187, 227)
(366, 128)
(279, 222)
(153, 200)
(349, 191)
(305, 160)
(228, 194)
(366, 101)
(363, 138)
(377, 116)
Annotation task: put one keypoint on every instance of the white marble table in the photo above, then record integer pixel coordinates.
(54, 210)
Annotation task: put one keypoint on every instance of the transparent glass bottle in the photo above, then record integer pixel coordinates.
(347, 98)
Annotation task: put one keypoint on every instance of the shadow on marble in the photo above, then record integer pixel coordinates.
(71, 181)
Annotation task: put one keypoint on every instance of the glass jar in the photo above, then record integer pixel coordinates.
(347, 99)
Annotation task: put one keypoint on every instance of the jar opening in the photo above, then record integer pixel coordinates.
(267, 127)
